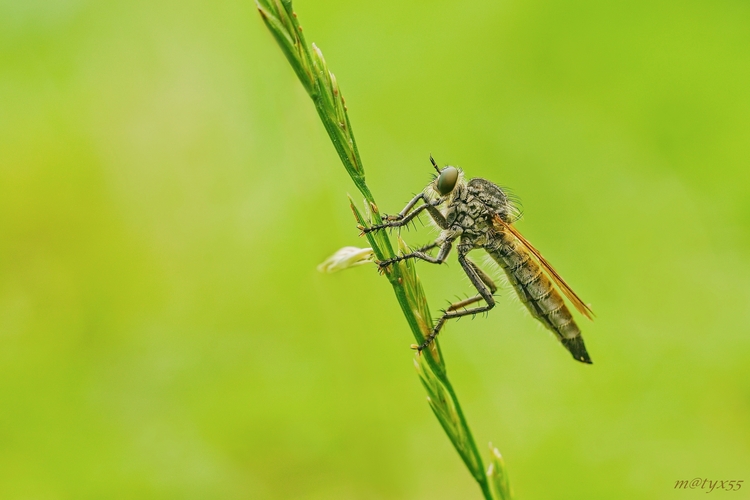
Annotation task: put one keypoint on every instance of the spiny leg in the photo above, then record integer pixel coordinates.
(463, 303)
(471, 300)
(407, 208)
(407, 214)
(445, 249)
(484, 285)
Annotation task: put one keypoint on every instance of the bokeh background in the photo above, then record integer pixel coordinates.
(166, 192)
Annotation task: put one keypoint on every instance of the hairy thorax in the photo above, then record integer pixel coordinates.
(471, 209)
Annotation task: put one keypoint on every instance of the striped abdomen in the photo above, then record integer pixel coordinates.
(537, 292)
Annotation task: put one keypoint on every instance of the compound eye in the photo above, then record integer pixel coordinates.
(447, 180)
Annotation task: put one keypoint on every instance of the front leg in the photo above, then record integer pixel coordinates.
(408, 207)
(407, 214)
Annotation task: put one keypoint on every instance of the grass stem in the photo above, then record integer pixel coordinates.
(310, 67)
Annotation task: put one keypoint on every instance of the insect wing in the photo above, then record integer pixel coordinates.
(501, 225)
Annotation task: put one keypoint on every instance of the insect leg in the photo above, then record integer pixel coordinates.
(407, 214)
(485, 279)
(484, 285)
(437, 216)
(445, 249)
(407, 208)
(483, 276)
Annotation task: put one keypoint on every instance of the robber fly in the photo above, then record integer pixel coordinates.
(479, 214)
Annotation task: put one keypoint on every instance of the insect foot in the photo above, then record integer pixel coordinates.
(383, 265)
(376, 227)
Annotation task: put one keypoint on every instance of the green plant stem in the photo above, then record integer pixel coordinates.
(312, 71)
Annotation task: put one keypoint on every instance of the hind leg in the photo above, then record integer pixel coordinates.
(484, 285)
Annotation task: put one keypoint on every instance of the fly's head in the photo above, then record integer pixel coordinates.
(448, 182)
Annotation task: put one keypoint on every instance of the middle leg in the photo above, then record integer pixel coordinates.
(445, 248)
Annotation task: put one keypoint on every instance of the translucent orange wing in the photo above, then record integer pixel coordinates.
(569, 293)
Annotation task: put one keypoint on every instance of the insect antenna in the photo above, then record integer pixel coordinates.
(432, 160)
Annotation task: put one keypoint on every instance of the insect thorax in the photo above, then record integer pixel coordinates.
(472, 208)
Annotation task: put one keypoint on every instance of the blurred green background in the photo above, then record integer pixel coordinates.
(166, 191)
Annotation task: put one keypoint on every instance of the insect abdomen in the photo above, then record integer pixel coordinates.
(538, 293)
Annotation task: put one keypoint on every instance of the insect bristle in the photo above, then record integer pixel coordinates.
(515, 207)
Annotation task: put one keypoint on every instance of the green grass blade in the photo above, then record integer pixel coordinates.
(322, 87)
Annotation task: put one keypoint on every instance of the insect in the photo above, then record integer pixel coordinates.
(477, 214)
